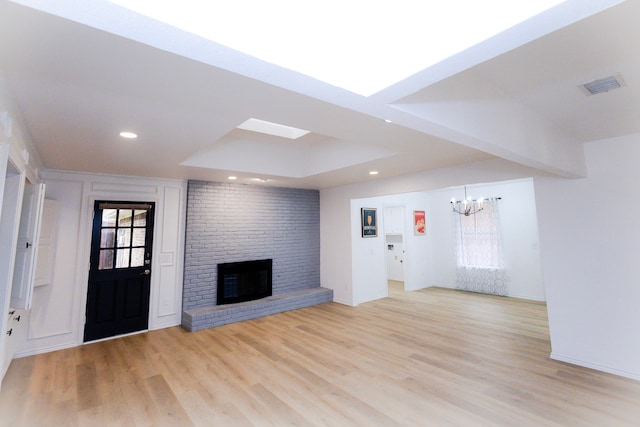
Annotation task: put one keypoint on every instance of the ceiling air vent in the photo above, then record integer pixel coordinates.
(603, 85)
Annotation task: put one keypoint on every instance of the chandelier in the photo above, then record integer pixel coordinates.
(467, 206)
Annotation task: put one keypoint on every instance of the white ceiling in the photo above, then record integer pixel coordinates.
(81, 72)
(319, 38)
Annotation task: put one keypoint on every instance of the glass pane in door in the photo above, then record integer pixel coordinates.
(106, 259)
(124, 218)
(140, 218)
(139, 235)
(124, 237)
(137, 257)
(109, 217)
(107, 237)
(122, 258)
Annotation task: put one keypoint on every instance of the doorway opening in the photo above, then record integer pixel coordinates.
(395, 250)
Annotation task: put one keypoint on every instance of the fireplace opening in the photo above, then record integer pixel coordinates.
(244, 281)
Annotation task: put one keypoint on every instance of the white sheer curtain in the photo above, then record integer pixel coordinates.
(480, 261)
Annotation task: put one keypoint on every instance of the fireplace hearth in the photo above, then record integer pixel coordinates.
(244, 281)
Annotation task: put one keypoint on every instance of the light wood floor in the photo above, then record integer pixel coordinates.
(435, 357)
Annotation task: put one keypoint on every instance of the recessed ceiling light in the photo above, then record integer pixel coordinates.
(261, 179)
(129, 135)
(373, 172)
(388, 121)
(232, 178)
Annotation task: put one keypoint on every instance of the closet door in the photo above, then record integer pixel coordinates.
(27, 247)
(9, 222)
(46, 244)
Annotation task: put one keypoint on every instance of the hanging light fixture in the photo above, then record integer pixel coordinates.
(467, 206)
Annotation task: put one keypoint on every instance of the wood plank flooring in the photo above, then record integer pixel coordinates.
(435, 357)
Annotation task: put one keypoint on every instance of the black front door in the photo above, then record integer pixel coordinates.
(120, 272)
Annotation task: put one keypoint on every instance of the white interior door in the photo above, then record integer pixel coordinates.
(9, 222)
(46, 244)
(27, 246)
(395, 258)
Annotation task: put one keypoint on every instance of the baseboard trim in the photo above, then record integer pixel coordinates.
(527, 297)
(46, 349)
(597, 367)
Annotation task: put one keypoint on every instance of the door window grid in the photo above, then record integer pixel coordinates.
(122, 238)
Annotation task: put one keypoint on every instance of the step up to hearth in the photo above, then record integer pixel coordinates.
(200, 318)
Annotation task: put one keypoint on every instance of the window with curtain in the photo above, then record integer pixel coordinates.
(480, 261)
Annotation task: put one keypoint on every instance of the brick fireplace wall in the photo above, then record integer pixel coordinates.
(229, 222)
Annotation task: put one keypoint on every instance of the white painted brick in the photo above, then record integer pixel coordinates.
(235, 222)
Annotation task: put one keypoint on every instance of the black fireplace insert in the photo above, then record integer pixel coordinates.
(244, 281)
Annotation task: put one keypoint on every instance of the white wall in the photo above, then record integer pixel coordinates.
(369, 254)
(499, 125)
(430, 260)
(589, 238)
(57, 318)
(336, 213)
(369, 269)
(335, 246)
(15, 133)
(519, 229)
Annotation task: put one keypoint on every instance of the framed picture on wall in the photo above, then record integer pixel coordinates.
(369, 222)
(419, 223)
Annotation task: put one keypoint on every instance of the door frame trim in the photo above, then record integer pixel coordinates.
(84, 250)
(118, 203)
